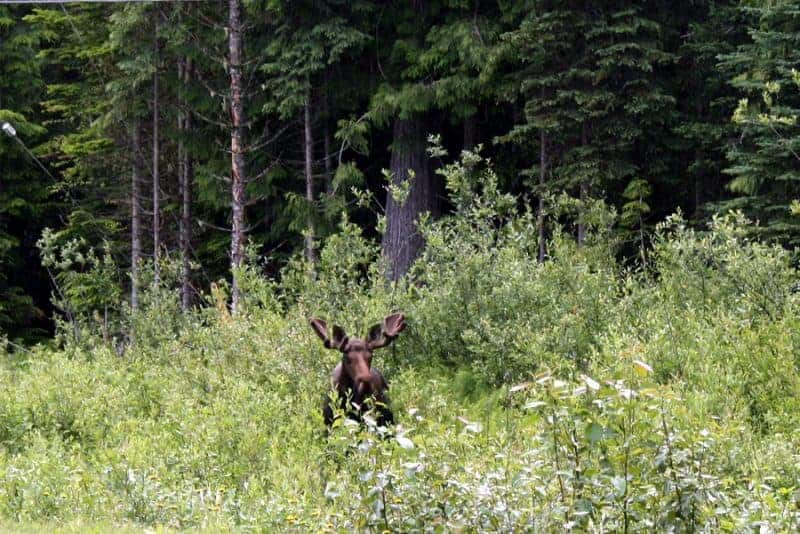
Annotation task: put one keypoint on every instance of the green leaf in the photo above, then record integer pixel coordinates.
(596, 432)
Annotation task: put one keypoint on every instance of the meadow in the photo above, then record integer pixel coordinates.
(584, 393)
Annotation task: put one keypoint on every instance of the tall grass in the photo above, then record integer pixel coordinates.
(573, 394)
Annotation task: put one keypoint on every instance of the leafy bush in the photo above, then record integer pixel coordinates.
(573, 394)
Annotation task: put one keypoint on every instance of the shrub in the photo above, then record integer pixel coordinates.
(568, 395)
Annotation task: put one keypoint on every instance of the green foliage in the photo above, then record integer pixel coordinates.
(568, 394)
(529, 396)
(636, 208)
(704, 110)
(589, 100)
(25, 202)
(436, 53)
(764, 161)
(86, 282)
(587, 79)
(309, 39)
(484, 301)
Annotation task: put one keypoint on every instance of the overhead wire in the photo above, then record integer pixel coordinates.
(31, 154)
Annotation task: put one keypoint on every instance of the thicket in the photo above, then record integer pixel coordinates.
(578, 393)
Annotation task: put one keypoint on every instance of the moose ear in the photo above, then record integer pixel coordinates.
(375, 335)
(381, 335)
(320, 327)
(338, 338)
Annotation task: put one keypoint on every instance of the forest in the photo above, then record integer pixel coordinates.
(588, 214)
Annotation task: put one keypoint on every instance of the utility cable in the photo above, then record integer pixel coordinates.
(11, 132)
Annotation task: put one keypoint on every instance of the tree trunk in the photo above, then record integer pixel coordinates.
(326, 133)
(238, 179)
(584, 190)
(542, 179)
(308, 150)
(698, 189)
(156, 178)
(642, 249)
(698, 177)
(402, 242)
(136, 212)
(581, 222)
(328, 165)
(185, 177)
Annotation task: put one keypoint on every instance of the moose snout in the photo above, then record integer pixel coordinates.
(364, 386)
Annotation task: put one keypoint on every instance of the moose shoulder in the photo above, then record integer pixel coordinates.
(353, 377)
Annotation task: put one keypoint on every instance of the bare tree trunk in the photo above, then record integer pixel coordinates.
(402, 242)
(642, 249)
(185, 177)
(542, 180)
(136, 212)
(181, 159)
(698, 189)
(308, 150)
(328, 165)
(584, 190)
(698, 179)
(238, 179)
(326, 133)
(581, 221)
(156, 177)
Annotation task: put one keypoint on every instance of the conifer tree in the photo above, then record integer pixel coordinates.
(431, 66)
(765, 160)
(584, 76)
(24, 198)
(310, 41)
(705, 104)
(80, 64)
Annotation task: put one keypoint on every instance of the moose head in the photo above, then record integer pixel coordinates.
(354, 376)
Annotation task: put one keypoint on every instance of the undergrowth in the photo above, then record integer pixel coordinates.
(574, 394)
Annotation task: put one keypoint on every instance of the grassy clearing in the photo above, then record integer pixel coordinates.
(574, 394)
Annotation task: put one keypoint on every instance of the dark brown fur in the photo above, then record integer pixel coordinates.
(354, 379)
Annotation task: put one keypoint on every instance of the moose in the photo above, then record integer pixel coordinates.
(354, 378)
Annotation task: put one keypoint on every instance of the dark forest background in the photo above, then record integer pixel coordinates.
(178, 141)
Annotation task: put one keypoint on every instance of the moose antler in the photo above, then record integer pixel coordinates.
(339, 338)
(381, 335)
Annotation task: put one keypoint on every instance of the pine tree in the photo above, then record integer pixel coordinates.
(109, 97)
(24, 198)
(705, 104)
(310, 40)
(80, 62)
(432, 66)
(765, 161)
(584, 76)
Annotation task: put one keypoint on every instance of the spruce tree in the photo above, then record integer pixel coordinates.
(705, 104)
(429, 58)
(765, 159)
(310, 41)
(25, 205)
(585, 77)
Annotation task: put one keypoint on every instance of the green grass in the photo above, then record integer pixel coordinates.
(211, 443)
(573, 394)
